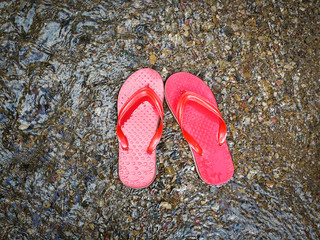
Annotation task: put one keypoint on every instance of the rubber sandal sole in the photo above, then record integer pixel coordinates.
(215, 165)
(137, 168)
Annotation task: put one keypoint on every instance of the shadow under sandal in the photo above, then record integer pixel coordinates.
(140, 103)
(195, 108)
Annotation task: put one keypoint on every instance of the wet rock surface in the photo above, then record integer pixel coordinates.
(62, 65)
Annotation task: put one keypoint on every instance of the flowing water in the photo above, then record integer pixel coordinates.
(62, 64)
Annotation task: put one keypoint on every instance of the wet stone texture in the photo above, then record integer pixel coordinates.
(62, 65)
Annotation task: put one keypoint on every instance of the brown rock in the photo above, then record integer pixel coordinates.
(152, 59)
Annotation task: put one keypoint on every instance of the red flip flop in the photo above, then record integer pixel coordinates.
(195, 108)
(140, 103)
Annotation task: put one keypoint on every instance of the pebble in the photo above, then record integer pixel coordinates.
(170, 170)
(166, 205)
(270, 184)
(215, 20)
(228, 31)
(246, 74)
(177, 39)
(46, 204)
(251, 174)
(24, 126)
(91, 225)
(216, 86)
(215, 207)
(208, 26)
(152, 59)
(166, 53)
(247, 120)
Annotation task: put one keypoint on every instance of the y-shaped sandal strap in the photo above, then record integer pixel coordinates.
(193, 97)
(140, 96)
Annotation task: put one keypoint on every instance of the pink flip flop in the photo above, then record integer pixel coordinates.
(195, 108)
(140, 103)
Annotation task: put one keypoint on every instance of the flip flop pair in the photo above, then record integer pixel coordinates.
(140, 106)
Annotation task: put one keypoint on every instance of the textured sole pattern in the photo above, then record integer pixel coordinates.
(137, 168)
(215, 165)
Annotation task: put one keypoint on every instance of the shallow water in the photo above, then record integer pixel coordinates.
(62, 65)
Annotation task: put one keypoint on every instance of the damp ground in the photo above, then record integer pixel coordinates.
(62, 64)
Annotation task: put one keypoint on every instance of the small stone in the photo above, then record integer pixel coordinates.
(247, 74)
(24, 126)
(166, 205)
(174, 27)
(208, 26)
(197, 220)
(215, 20)
(46, 204)
(185, 27)
(224, 91)
(251, 174)
(97, 111)
(166, 53)
(270, 184)
(121, 29)
(184, 217)
(228, 31)
(177, 39)
(227, 47)
(187, 12)
(309, 39)
(170, 170)
(288, 66)
(152, 59)
(164, 72)
(91, 225)
(31, 231)
(218, 79)
(247, 120)
(216, 86)
(215, 207)
(136, 4)
(135, 233)
(186, 34)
